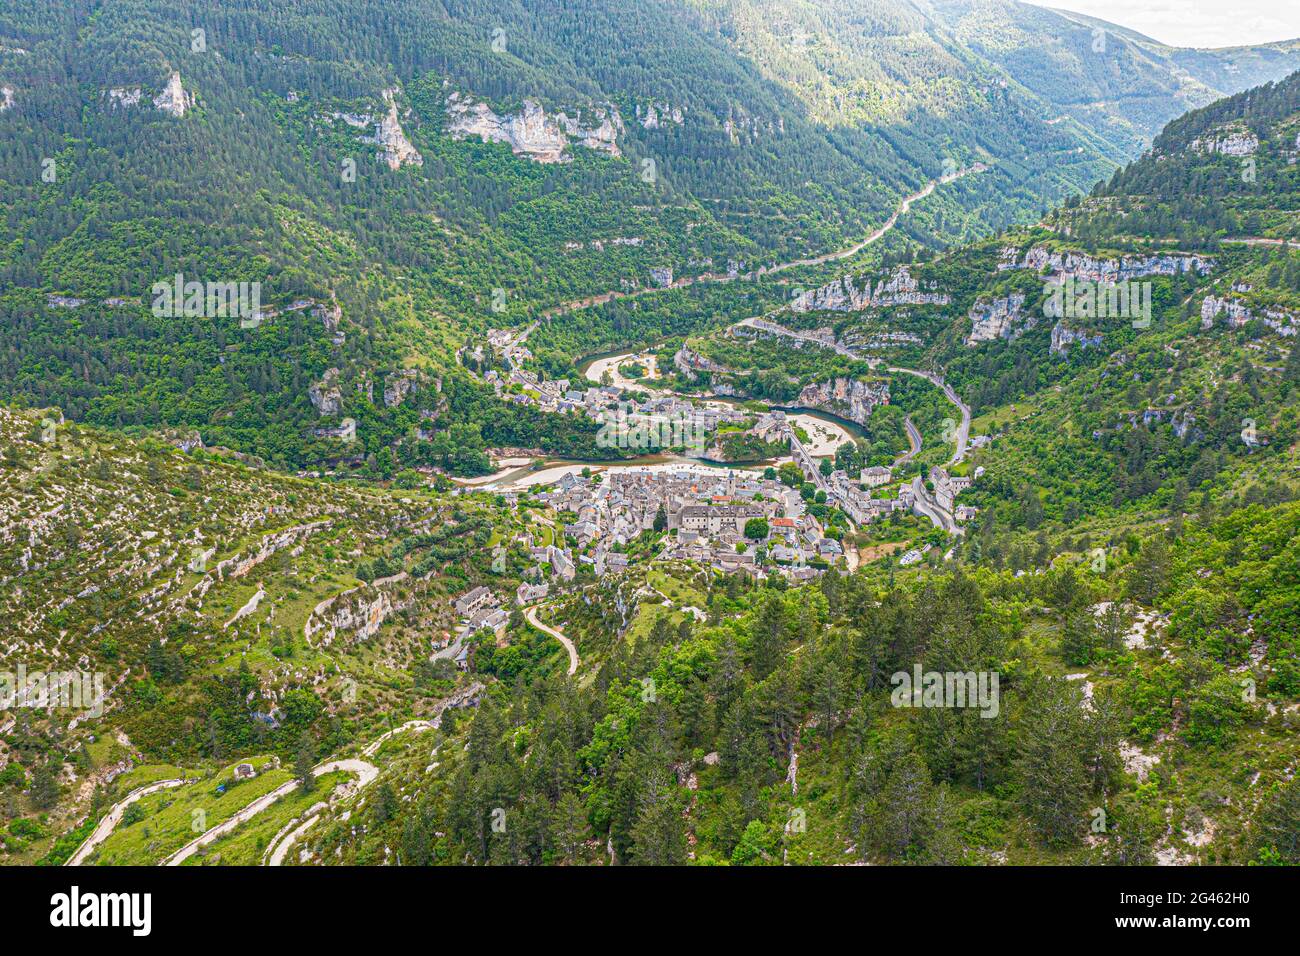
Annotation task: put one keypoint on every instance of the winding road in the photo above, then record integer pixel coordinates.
(373, 747)
(707, 277)
(763, 324)
(531, 615)
(366, 773)
(114, 817)
(926, 505)
(913, 439)
(963, 430)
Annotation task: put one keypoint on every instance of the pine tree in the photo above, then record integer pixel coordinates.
(45, 789)
(569, 826)
(385, 804)
(1136, 827)
(1276, 835)
(659, 833)
(769, 636)
(1079, 638)
(303, 763)
(1049, 763)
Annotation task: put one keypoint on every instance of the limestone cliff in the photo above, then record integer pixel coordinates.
(531, 132)
(849, 398)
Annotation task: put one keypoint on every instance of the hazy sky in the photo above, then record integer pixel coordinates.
(1206, 23)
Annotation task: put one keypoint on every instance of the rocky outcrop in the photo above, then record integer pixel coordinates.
(1237, 313)
(1236, 142)
(356, 614)
(326, 396)
(398, 385)
(394, 148)
(1091, 269)
(691, 363)
(656, 115)
(6, 98)
(531, 132)
(849, 398)
(1063, 338)
(841, 295)
(330, 316)
(238, 566)
(173, 100)
(124, 97)
(345, 430)
(1000, 318)
(186, 439)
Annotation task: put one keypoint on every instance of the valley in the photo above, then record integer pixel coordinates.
(733, 433)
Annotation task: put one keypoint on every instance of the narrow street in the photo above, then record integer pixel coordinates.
(531, 615)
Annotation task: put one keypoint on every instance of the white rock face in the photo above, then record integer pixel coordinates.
(125, 96)
(173, 100)
(355, 120)
(657, 114)
(6, 98)
(395, 149)
(852, 398)
(1230, 143)
(531, 132)
(1063, 337)
(398, 385)
(840, 295)
(1237, 313)
(603, 136)
(1002, 318)
(326, 396)
(1090, 269)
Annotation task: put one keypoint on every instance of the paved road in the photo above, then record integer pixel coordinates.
(114, 817)
(913, 439)
(963, 430)
(365, 771)
(283, 846)
(810, 466)
(926, 506)
(852, 250)
(1256, 241)
(763, 324)
(531, 615)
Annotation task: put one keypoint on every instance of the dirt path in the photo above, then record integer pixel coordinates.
(531, 615)
(282, 847)
(365, 772)
(707, 277)
(114, 817)
(373, 747)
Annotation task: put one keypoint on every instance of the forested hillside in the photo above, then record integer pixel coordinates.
(362, 577)
(338, 157)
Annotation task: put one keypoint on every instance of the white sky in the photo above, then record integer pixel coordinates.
(1203, 23)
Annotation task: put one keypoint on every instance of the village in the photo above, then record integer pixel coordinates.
(736, 520)
(688, 423)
